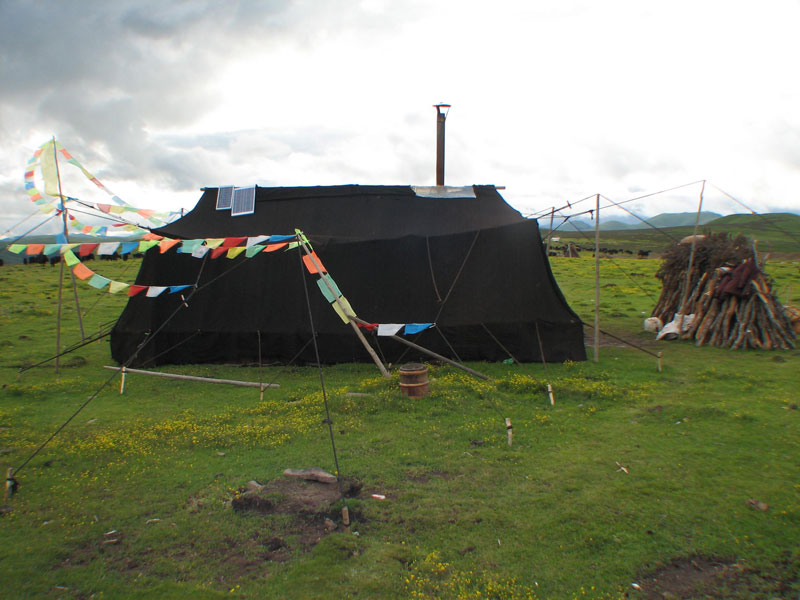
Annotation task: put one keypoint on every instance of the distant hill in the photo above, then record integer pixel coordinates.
(661, 221)
(774, 232)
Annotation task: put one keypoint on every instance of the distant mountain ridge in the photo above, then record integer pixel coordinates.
(661, 221)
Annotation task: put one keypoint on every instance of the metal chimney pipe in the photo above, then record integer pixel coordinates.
(441, 116)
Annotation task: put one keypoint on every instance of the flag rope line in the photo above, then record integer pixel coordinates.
(648, 223)
(619, 339)
(624, 272)
(143, 343)
(762, 217)
(69, 349)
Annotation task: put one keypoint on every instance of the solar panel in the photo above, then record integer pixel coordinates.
(244, 201)
(224, 196)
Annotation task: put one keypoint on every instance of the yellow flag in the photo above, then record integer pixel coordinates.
(116, 286)
(49, 171)
(348, 310)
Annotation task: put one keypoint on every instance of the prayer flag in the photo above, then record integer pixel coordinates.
(330, 296)
(216, 252)
(107, 248)
(310, 259)
(155, 290)
(214, 242)
(188, 246)
(115, 287)
(152, 236)
(17, 248)
(145, 245)
(177, 288)
(51, 249)
(412, 328)
(165, 245)
(49, 170)
(344, 310)
(273, 247)
(232, 242)
(200, 251)
(34, 249)
(234, 252)
(70, 258)
(251, 251)
(389, 329)
(135, 289)
(87, 249)
(280, 238)
(128, 247)
(99, 282)
(82, 271)
(252, 241)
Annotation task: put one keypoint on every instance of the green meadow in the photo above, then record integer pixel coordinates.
(634, 484)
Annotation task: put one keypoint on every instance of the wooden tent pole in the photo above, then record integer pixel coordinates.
(691, 257)
(350, 318)
(66, 237)
(430, 353)
(597, 281)
(125, 370)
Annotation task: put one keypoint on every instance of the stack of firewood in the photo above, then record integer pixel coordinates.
(730, 297)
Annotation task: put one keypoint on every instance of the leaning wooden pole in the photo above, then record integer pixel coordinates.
(351, 318)
(432, 354)
(597, 280)
(682, 307)
(64, 216)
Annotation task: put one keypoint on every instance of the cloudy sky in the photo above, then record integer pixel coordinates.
(555, 100)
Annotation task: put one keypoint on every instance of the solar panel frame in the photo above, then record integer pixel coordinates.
(224, 197)
(244, 201)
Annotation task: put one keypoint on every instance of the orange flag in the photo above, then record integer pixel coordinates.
(82, 271)
(311, 266)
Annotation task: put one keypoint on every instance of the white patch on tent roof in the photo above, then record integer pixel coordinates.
(224, 197)
(443, 191)
(244, 201)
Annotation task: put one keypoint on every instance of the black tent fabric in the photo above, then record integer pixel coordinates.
(347, 212)
(489, 290)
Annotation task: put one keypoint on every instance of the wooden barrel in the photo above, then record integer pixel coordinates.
(414, 380)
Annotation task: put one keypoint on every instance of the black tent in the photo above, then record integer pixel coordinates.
(471, 264)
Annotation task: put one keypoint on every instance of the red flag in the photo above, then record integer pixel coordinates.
(87, 249)
(135, 289)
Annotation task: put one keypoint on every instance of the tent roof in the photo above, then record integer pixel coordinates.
(347, 212)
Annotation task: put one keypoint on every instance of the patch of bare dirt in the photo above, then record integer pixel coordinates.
(294, 496)
(699, 577)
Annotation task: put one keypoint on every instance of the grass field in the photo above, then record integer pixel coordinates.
(632, 476)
